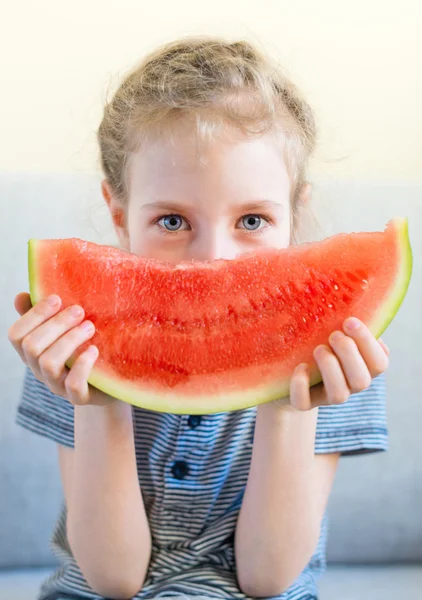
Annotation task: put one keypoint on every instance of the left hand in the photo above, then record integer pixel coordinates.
(347, 367)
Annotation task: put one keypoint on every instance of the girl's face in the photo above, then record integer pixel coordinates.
(232, 198)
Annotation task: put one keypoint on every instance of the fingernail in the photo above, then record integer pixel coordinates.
(92, 350)
(352, 324)
(336, 336)
(384, 346)
(304, 369)
(88, 326)
(319, 350)
(76, 311)
(53, 300)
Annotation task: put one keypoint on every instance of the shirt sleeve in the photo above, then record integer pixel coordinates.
(42, 412)
(357, 426)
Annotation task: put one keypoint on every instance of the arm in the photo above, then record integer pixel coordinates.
(286, 494)
(288, 486)
(107, 525)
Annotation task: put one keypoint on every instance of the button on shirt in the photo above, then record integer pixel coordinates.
(180, 469)
(194, 421)
(193, 472)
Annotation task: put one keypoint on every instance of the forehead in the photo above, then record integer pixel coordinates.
(229, 163)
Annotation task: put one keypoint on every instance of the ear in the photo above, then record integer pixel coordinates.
(302, 199)
(305, 194)
(117, 212)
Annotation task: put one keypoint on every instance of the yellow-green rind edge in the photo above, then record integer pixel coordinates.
(32, 272)
(389, 310)
(172, 403)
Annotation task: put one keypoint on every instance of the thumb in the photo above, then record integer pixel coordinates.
(23, 303)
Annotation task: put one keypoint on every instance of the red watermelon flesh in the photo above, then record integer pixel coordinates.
(206, 337)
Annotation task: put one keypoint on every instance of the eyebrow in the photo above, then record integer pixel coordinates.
(177, 205)
(168, 204)
(261, 204)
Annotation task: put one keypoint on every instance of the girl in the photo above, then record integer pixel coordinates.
(204, 149)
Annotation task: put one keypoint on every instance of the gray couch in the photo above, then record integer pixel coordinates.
(375, 544)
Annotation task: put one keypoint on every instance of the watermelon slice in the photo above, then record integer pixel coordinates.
(207, 337)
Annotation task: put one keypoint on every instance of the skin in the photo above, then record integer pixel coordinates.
(232, 197)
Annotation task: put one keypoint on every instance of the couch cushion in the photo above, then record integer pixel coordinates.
(21, 584)
(387, 582)
(375, 508)
(346, 583)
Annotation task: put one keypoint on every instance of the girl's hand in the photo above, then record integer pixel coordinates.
(45, 337)
(347, 367)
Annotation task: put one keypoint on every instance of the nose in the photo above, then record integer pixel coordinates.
(213, 245)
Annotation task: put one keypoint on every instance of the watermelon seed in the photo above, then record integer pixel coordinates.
(321, 312)
(365, 282)
(330, 305)
(336, 286)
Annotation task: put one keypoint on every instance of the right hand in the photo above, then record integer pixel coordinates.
(45, 337)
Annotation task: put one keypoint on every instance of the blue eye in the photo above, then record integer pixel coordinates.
(251, 222)
(171, 222)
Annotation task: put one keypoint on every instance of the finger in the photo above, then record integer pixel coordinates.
(384, 346)
(306, 399)
(354, 367)
(52, 361)
(76, 382)
(332, 374)
(23, 303)
(318, 395)
(31, 320)
(37, 342)
(372, 352)
(299, 388)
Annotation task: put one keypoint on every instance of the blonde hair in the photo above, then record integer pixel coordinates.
(217, 83)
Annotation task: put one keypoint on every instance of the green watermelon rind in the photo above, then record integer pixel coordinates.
(173, 402)
(386, 314)
(32, 272)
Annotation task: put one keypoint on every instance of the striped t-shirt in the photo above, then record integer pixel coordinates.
(193, 472)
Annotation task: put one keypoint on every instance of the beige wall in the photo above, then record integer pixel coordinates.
(360, 63)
